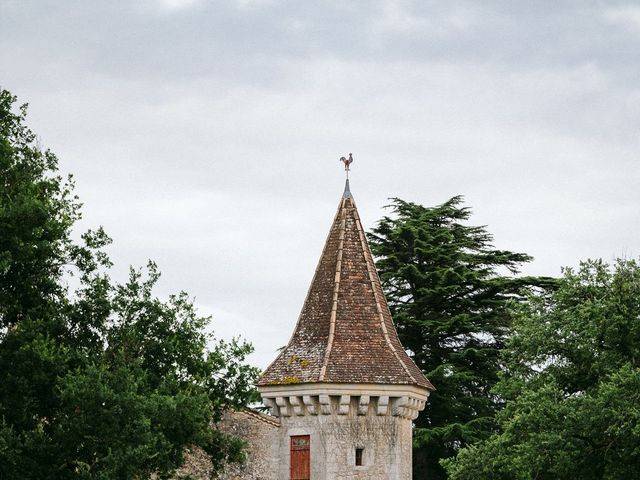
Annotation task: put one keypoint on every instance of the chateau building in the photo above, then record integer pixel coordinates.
(343, 389)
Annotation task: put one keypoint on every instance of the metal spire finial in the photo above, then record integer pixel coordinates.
(347, 162)
(347, 190)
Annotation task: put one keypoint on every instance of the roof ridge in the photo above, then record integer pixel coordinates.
(336, 288)
(266, 418)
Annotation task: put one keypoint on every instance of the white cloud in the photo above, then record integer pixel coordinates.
(399, 17)
(624, 15)
(178, 4)
(208, 140)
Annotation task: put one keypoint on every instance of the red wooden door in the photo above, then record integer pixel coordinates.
(300, 457)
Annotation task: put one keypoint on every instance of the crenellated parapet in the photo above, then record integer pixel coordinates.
(352, 400)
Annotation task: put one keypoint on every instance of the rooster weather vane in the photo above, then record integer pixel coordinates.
(347, 162)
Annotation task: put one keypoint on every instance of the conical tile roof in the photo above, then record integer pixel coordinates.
(345, 333)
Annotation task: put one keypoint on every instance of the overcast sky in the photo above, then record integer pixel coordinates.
(206, 134)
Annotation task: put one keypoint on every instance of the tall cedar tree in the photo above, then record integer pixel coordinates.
(572, 384)
(448, 290)
(102, 381)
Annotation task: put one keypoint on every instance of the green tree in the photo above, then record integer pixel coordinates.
(448, 290)
(104, 380)
(572, 384)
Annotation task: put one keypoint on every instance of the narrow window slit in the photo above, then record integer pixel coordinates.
(359, 452)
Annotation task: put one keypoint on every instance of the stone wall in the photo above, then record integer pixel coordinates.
(259, 431)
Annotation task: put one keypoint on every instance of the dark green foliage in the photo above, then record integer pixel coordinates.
(572, 382)
(448, 290)
(104, 381)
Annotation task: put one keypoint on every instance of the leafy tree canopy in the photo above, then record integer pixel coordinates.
(448, 289)
(102, 381)
(572, 381)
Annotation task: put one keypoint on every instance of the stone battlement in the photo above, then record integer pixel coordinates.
(406, 406)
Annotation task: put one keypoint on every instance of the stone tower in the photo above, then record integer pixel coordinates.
(343, 388)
